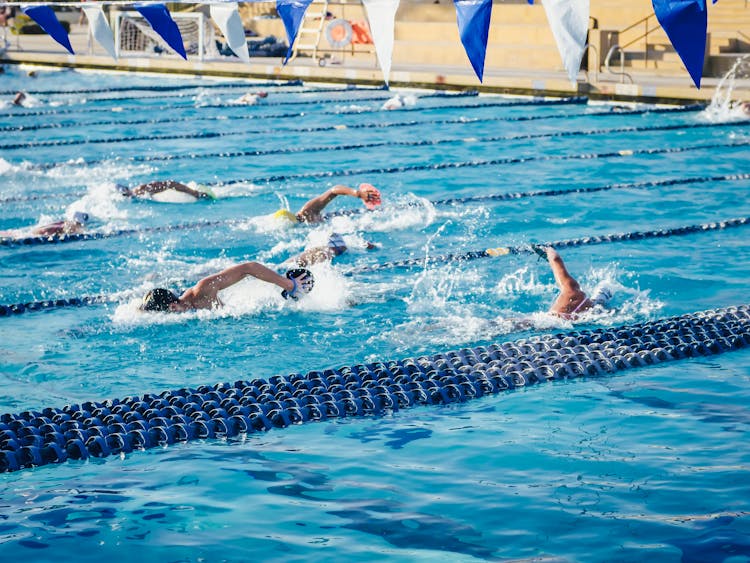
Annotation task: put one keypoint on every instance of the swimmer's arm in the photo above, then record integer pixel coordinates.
(314, 256)
(312, 209)
(59, 228)
(562, 276)
(160, 186)
(211, 285)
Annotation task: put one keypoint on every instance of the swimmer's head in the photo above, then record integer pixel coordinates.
(303, 283)
(81, 218)
(205, 193)
(286, 215)
(158, 299)
(124, 190)
(602, 295)
(262, 94)
(336, 244)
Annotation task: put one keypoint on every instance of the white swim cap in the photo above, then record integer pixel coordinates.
(602, 294)
(81, 217)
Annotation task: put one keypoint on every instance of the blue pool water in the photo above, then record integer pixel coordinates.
(649, 464)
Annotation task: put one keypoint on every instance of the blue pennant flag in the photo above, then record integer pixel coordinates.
(159, 19)
(474, 26)
(291, 12)
(45, 17)
(685, 22)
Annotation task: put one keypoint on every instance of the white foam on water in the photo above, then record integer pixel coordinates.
(5, 166)
(406, 213)
(105, 203)
(352, 108)
(243, 189)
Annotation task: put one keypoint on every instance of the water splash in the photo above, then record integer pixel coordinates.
(723, 107)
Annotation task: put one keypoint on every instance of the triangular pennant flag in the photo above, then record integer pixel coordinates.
(47, 20)
(382, 17)
(291, 12)
(228, 19)
(569, 20)
(100, 29)
(685, 22)
(162, 23)
(473, 18)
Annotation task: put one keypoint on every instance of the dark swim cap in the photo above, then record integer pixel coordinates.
(158, 299)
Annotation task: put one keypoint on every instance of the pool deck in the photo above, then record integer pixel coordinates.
(645, 86)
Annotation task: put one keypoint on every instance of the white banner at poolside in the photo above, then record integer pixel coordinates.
(382, 17)
(569, 20)
(228, 19)
(100, 29)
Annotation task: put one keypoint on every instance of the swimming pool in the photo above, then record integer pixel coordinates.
(649, 463)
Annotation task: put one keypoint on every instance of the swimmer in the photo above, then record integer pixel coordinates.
(157, 190)
(311, 211)
(204, 294)
(745, 106)
(335, 247)
(396, 102)
(572, 301)
(251, 99)
(66, 227)
(18, 99)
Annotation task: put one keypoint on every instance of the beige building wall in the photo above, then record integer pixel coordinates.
(426, 34)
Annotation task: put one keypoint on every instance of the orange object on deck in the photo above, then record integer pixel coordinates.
(361, 33)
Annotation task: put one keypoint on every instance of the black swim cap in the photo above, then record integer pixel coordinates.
(158, 299)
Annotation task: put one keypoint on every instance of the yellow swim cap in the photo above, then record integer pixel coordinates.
(286, 214)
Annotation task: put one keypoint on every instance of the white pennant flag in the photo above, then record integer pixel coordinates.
(100, 29)
(382, 17)
(228, 19)
(569, 20)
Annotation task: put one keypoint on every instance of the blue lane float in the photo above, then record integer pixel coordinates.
(295, 115)
(160, 88)
(74, 237)
(19, 308)
(510, 196)
(316, 101)
(626, 153)
(225, 410)
(566, 243)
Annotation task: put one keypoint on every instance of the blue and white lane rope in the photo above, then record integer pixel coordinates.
(327, 128)
(262, 116)
(212, 134)
(566, 243)
(244, 116)
(624, 153)
(100, 429)
(74, 237)
(162, 88)
(510, 196)
(19, 308)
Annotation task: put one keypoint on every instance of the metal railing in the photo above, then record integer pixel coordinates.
(589, 46)
(647, 31)
(607, 60)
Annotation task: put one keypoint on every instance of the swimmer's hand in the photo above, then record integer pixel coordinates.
(542, 251)
(303, 282)
(369, 195)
